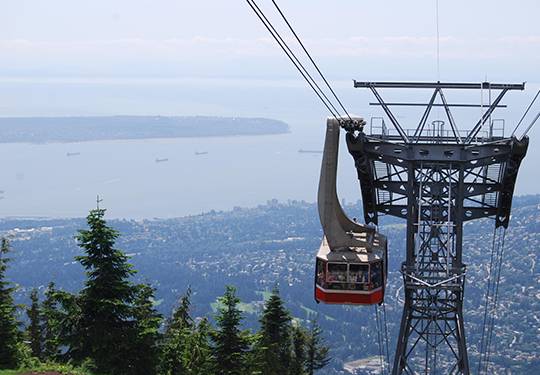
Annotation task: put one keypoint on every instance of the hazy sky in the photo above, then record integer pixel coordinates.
(222, 38)
(62, 57)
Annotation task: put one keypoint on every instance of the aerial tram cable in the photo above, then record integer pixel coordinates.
(382, 338)
(525, 114)
(296, 62)
(486, 304)
(386, 333)
(379, 341)
(310, 58)
(531, 125)
(490, 307)
(495, 300)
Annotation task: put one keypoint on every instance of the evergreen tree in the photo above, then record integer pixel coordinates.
(178, 329)
(230, 343)
(147, 323)
(9, 334)
(317, 354)
(51, 325)
(181, 317)
(298, 360)
(35, 329)
(105, 326)
(274, 346)
(62, 317)
(197, 356)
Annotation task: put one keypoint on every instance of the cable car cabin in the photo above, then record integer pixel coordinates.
(351, 263)
(355, 277)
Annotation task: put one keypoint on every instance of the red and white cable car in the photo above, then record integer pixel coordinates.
(351, 265)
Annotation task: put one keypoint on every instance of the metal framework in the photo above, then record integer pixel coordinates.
(436, 177)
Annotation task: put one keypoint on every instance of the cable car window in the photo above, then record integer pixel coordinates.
(376, 275)
(321, 273)
(337, 275)
(358, 276)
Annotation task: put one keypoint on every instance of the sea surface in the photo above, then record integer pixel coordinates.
(164, 177)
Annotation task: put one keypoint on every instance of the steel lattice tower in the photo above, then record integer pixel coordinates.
(437, 177)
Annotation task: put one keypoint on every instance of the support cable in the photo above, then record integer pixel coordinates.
(310, 58)
(296, 62)
(525, 114)
(486, 305)
(531, 125)
(386, 334)
(438, 42)
(490, 302)
(495, 301)
(378, 338)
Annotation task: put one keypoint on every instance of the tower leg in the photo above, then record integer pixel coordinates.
(404, 329)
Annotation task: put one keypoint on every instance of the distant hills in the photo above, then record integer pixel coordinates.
(96, 128)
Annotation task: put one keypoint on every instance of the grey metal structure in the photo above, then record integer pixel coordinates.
(436, 177)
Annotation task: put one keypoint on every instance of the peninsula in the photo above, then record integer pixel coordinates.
(80, 129)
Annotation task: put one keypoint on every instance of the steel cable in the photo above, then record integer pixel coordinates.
(495, 298)
(292, 57)
(379, 340)
(525, 114)
(481, 349)
(310, 58)
(386, 334)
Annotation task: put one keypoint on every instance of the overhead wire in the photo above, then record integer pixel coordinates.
(495, 302)
(380, 340)
(531, 125)
(438, 41)
(297, 63)
(386, 334)
(292, 57)
(310, 58)
(525, 114)
(488, 290)
(491, 300)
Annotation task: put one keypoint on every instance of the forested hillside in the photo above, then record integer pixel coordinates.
(275, 244)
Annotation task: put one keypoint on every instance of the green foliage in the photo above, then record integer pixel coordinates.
(230, 343)
(36, 366)
(298, 360)
(52, 319)
(9, 334)
(317, 353)
(35, 329)
(178, 328)
(197, 355)
(116, 324)
(274, 346)
(146, 333)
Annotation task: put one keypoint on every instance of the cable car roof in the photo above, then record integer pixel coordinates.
(356, 255)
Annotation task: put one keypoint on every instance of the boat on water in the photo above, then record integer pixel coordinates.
(201, 153)
(161, 160)
(72, 154)
(309, 151)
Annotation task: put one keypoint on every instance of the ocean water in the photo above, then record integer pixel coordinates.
(42, 180)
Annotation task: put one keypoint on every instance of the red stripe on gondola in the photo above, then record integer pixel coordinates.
(349, 298)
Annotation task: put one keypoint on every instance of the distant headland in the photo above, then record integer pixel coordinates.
(96, 128)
